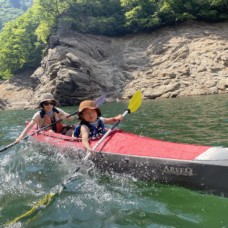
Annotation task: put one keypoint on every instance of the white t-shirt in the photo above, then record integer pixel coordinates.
(40, 121)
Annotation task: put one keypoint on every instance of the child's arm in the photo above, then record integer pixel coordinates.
(85, 137)
(113, 119)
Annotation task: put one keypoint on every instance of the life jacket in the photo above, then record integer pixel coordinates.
(47, 120)
(94, 131)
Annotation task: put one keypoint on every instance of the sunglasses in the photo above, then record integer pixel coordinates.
(47, 103)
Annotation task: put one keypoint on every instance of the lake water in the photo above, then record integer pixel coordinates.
(29, 171)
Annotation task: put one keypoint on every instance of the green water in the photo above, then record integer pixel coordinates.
(29, 171)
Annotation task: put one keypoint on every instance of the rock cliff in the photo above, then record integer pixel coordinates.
(190, 59)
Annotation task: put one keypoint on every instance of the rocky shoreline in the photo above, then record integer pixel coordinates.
(190, 59)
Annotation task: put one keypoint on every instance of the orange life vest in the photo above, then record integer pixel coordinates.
(47, 120)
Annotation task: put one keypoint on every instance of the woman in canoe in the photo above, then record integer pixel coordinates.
(91, 123)
(47, 115)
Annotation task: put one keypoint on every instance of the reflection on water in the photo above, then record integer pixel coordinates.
(29, 171)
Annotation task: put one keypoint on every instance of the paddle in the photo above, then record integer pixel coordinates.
(133, 106)
(99, 101)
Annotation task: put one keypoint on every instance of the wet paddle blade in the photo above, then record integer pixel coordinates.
(44, 202)
(135, 101)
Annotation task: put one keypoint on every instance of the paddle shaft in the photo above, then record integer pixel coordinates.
(105, 135)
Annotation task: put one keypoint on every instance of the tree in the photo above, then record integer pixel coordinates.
(141, 14)
(46, 12)
(19, 48)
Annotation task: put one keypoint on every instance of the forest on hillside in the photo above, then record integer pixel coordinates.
(23, 40)
(12, 9)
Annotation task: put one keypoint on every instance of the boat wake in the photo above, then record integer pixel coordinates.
(30, 171)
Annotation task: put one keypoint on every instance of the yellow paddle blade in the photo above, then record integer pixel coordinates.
(135, 101)
(45, 201)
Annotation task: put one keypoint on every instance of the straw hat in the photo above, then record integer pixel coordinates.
(88, 104)
(47, 97)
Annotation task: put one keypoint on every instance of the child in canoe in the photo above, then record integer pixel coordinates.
(91, 123)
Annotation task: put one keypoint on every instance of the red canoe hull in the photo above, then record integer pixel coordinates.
(193, 166)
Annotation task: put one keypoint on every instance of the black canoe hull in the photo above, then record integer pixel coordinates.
(197, 175)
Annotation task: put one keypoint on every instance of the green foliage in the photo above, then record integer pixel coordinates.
(19, 48)
(98, 17)
(46, 11)
(141, 15)
(167, 12)
(23, 40)
(214, 10)
(12, 9)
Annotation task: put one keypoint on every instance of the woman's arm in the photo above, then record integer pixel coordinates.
(25, 131)
(63, 115)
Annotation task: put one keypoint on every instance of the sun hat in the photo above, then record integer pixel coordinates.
(47, 97)
(88, 104)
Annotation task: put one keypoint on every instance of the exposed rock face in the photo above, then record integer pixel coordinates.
(191, 59)
(16, 93)
(82, 67)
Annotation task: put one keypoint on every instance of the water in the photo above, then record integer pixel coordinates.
(94, 199)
